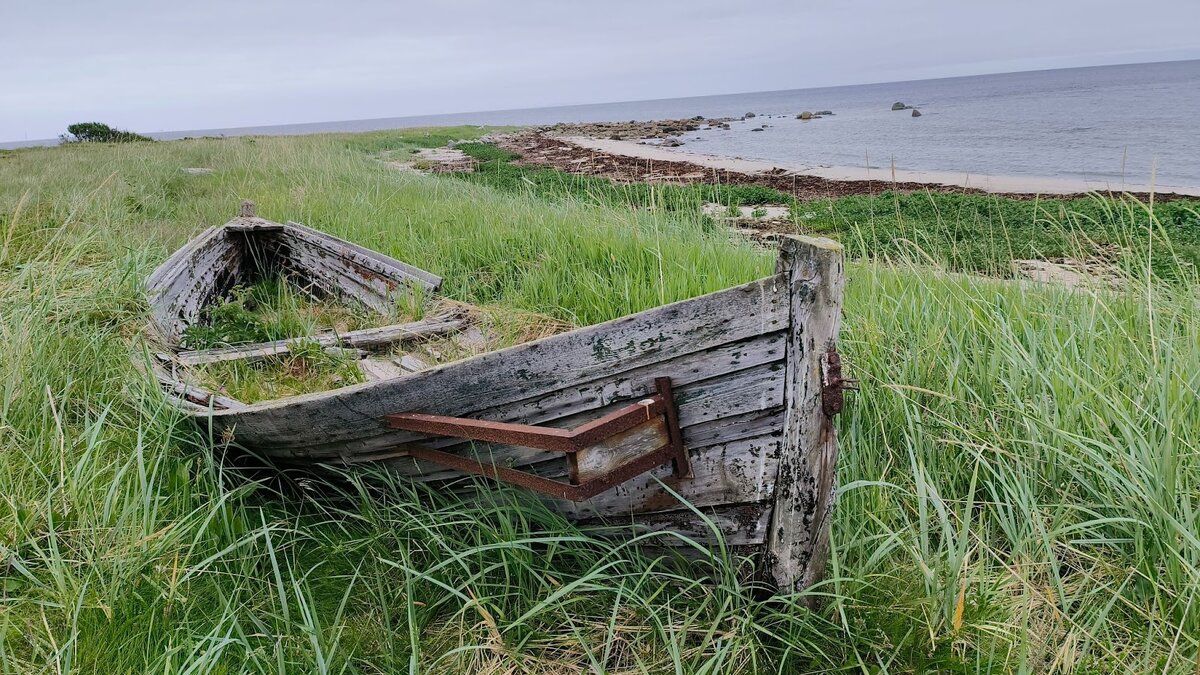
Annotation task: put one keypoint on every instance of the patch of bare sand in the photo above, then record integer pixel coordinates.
(437, 160)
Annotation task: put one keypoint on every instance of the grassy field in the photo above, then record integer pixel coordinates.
(1020, 474)
(974, 233)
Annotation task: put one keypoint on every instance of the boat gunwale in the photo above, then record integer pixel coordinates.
(272, 404)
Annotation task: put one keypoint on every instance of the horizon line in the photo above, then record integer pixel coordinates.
(14, 143)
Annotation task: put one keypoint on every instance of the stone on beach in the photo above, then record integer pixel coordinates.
(375, 370)
(651, 129)
(758, 212)
(412, 364)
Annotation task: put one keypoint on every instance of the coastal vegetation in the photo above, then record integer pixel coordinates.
(964, 232)
(98, 132)
(1019, 479)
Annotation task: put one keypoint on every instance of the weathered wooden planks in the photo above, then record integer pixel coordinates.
(191, 279)
(727, 473)
(246, 247)
(193, 398)
(745, 364)
(580, 401)
(741, 382)
(737, 524)
(696, 417)
(351, 415)
(362, 256)
(607, 455)
(367, 276)
(798, 545)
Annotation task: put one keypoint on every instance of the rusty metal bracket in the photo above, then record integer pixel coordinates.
(833, 385)
(660, 405)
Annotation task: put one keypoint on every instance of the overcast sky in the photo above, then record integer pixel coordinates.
(160, 65)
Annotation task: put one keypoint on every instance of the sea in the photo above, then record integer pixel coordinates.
(1136, 123)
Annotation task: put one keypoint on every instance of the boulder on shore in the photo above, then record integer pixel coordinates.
(806, 115)
(899, 105)
(916, 113)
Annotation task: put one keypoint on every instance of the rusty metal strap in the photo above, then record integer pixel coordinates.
(543, 438)
(570, 441)
(549, 486)
(833, 384)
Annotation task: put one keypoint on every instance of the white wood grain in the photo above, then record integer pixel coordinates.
(798, 547)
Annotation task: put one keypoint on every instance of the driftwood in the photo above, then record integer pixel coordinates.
(749, 366)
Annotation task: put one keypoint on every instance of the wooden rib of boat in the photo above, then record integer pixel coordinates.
(724, 400)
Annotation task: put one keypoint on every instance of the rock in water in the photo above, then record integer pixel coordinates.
(804, 116)
(898, 105)
(916, 113)
(822, 113)
(747, 116)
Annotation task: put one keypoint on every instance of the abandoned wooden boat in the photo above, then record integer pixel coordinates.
(724, 400)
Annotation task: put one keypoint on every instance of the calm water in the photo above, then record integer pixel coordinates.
(1098, 123)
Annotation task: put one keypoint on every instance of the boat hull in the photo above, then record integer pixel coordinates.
(748, 368)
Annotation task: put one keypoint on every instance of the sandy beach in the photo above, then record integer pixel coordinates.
(1008, 185)
(624, 157)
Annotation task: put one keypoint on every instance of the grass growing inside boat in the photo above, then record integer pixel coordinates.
(307, 367)
(273, 309)
(1020, 477)
(276, 309)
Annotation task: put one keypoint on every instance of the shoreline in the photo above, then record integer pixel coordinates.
(904, 179)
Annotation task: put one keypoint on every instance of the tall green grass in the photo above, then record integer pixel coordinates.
(1019, 474)
(965, 232)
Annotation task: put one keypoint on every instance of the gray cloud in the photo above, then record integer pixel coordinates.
(150, 66)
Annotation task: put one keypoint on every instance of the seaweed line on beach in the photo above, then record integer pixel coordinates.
(542, 148)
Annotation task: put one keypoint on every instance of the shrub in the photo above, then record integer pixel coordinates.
(98, 132)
